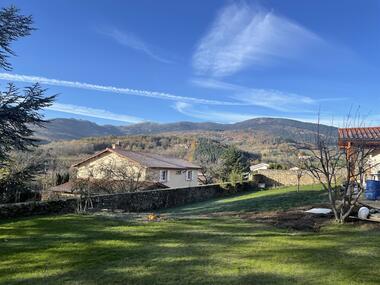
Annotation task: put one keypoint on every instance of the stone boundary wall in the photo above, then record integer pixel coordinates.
(274, 178)
(166, 198)
(130, 202)
(38, 208)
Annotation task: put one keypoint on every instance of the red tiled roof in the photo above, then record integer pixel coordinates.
(370, 133)
(367, 135)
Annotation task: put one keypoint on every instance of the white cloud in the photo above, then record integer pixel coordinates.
(95, 113)
(241, 96)
(243, 35)
(215, 84)
(268, 98)
(133, 42)
(111, 89)
(276, 100)
(210, 115)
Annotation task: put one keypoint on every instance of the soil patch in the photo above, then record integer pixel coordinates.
(294, 220)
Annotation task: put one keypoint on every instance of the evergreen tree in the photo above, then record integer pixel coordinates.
(13, 26)
(233, 161)
(19, 111)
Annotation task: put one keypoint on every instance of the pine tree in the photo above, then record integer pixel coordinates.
(13, 26)
(233, 161)
(19, 111)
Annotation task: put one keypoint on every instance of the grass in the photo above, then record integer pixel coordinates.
(84, 249)
(275, 199)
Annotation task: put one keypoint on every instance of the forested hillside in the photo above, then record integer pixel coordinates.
(209, 144)
(67, 129)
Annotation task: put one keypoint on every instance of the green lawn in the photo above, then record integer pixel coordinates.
(267, 200)
(74, 249)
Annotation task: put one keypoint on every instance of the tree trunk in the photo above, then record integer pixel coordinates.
(333, 203)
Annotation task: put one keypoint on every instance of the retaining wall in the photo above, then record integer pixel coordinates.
(130, 202)
(274, 178)
(38, 208)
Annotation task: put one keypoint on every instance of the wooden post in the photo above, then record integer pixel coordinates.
(350, 157)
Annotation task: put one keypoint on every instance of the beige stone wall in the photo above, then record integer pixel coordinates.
(284, 177)
(95, 168)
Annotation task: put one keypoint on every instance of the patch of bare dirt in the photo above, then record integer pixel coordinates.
(294, 220)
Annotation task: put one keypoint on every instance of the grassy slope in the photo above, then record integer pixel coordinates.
(93, 250)
(275, 199)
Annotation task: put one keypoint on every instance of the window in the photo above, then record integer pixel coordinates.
(178, 172)
(163, 175)
(189, 175)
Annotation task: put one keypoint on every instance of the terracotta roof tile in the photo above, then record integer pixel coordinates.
(363, 135)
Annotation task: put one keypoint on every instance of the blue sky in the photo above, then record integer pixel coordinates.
(123, 62)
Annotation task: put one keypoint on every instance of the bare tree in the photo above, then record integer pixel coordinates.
(209, 160)
(209, 171)
(115, 176)
(85, 191)
(112, 176)
(300, 173)
(329, 163)
(124, 176)
(19, 177)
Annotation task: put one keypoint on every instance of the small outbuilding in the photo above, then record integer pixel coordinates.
(368, 137)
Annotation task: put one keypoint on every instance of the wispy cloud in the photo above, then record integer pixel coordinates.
(212, 83)
(276, 100)
(95, 113)
(241, 96)
(243, 35)
(211, 115)
(111, 89)
(268, 98)
(131, 41)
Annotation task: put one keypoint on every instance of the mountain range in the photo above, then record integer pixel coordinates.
(69, 129)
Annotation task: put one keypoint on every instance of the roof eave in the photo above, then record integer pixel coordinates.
(138, 162)
(174, 168)
(91, 157)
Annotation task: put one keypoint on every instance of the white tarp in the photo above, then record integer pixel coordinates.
(323, 211)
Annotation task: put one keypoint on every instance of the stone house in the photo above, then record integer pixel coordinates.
(114, 163)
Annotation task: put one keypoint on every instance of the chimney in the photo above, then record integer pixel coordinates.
(116, 145)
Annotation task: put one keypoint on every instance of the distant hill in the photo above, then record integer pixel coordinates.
(68, 129)
(155, 128)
